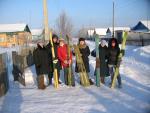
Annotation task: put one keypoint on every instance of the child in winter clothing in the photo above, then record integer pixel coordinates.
(103, 61)
(42, 64)
(65, 58)
(85, 52)
(57, 62)
(113, 53)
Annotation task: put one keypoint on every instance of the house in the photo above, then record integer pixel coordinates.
(102, 32)
(117, 30)
(37, 34)
(14, 34)
(142, 26)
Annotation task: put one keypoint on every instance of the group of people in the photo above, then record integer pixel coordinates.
(44, 60)
(108, 56)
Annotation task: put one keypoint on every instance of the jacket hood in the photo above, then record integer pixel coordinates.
(113, 40)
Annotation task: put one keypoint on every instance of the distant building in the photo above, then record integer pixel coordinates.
(37, 34)
(14, 34)
(102, 32)
(142, 26)
(107, 32)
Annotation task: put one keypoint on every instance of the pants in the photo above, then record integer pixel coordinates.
(66, 76)
(50, 76)
(112, 72)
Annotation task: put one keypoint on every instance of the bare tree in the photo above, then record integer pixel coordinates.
(82, 32)
(64, 25)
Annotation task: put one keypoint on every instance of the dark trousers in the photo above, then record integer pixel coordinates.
(50, 76)
(66, 76)
(112, 72)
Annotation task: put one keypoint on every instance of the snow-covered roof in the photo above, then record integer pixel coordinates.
(99, 31)
(146, 23)
(12, 27)
(36, 32)
(119, 28)
(90, 32)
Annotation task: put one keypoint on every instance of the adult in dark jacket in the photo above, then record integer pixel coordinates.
(113, 53)
(85, 52)
(57, 62)
(103, 61)
(42, 63)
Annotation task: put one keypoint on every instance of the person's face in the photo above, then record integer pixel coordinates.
(54, 40)
(82, 42)
(61, 43)
(102, 44)
(113, 44)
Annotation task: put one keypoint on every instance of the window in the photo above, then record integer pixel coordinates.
(2, 39)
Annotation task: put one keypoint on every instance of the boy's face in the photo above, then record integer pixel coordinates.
(82, 42)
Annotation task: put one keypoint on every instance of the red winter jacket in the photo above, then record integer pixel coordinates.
(63, 55)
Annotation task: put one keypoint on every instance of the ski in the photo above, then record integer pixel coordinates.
(123, 45)
(55, 69)
(82, 71)
(70, 74)
(97, 39)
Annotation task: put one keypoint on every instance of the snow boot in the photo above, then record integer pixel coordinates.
(91, 82)
(40, 80)
(103, 80)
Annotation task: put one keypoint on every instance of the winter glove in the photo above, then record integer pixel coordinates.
(69, 62)
(66, 62)
(118, 63)
(55, 61)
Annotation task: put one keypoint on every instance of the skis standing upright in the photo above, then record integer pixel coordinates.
(70, 76)
(84, 79)
(54, 65)
(97, 39)
(123, 45)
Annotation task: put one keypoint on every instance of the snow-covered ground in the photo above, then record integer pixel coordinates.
(134, 97)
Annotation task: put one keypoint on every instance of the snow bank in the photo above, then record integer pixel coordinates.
(132, 98)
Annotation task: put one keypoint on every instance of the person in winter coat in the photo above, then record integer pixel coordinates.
(55, 60)
(66, 60)
(85, 52)
(103, 61)
(42, 63)
(113, 61)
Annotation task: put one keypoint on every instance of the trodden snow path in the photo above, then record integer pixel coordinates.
(132, 98)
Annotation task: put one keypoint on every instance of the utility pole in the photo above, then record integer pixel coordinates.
(46, 28)
(113, 18)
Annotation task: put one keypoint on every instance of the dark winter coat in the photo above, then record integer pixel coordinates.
(85, 51)
(103, 61)
(42, 61)
(113, 52)
(49, 48)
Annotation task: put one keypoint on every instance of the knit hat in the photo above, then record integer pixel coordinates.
(61, 39)
(103, 42)
(81, 39)
(54, 36)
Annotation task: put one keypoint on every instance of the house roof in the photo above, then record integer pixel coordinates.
(99, 31)
(146, 23)
(119, 28)
(4, 28)
(36, 32)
